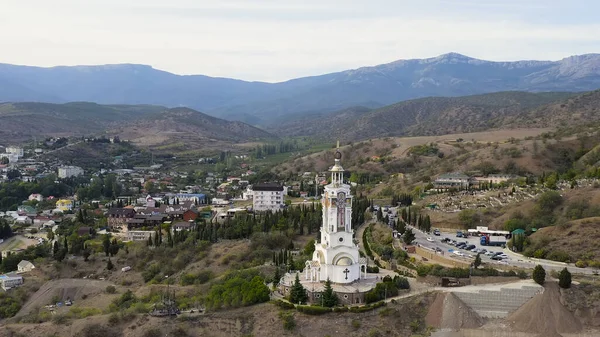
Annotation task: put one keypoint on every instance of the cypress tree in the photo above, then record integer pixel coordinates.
(539, 274)
(276, 277)
(564, 278)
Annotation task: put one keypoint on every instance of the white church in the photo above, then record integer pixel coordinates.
(336, 256)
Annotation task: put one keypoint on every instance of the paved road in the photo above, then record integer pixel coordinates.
(514, 259)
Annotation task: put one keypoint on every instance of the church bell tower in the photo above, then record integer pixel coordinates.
(336, 255)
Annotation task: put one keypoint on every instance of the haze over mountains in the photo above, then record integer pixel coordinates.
(262, 103)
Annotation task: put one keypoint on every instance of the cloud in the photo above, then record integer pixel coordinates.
(279, 40)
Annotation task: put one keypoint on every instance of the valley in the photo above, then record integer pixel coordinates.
(130, 213)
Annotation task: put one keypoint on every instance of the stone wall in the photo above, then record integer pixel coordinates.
(315, 297)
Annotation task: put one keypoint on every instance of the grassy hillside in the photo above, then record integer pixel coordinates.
(425, 116)
(25, 120)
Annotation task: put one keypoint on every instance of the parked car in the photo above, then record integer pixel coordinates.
(490, 253)
(459, 234)
(496, 257)
(430, 239)
(469, 247)
(483, 251)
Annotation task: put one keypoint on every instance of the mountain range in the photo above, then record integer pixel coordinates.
(260, 103)
(158, 125)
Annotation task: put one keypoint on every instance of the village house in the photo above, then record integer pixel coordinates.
(23, 219)
(117, 217)
(190, 215)
(182, 226)
(69, 171)
(36, 196)
(25, 266)
(453, 180)
(496, 179)
(64, 205)
(141, 220)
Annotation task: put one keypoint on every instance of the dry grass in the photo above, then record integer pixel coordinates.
(577, 238)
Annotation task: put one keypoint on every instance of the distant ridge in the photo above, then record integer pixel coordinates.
(260, 103)
(24, 120)
(446, 115)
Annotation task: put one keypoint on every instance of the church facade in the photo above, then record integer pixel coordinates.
(336, 256)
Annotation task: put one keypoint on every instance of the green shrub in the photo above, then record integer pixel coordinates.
(283, 304)
(313, 310)
(237, 289)
(356, 324)
(539, 275)
(581, 264)
(111, 289)
(558, 255)
(522, 274)
(288, 320)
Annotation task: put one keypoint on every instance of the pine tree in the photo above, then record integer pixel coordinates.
(66, 245)
(149, 243)
(109, 265)
(564, 279)
(539, 275)
(298, 293)
(330, 299)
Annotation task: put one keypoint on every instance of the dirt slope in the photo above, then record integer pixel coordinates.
(449, 312)
(544, 314)
(73, 289)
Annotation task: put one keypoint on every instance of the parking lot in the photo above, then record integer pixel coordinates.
(445, 243)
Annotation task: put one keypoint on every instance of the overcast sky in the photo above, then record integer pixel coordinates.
(274, 40)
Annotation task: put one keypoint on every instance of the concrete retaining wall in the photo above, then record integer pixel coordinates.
(498, 303)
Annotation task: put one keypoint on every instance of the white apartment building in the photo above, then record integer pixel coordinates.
(18, 151)
(69, 171)
(268, 197)
(12, 158)
(10, 281)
